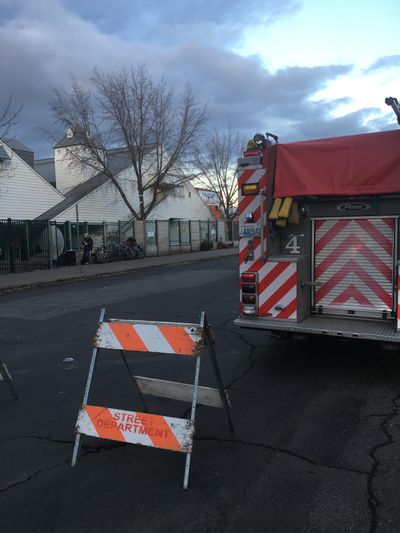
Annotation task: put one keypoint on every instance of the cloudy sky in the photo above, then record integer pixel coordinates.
(299, 68)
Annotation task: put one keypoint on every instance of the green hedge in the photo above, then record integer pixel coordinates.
(206, 245)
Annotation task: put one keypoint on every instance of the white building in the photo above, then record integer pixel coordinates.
(93, 198)
(24, 194)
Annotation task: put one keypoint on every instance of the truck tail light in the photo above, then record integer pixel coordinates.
(249, 277)
(249, 293)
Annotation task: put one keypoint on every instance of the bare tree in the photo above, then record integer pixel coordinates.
(157, 129)
(217, 166)
(8, 118)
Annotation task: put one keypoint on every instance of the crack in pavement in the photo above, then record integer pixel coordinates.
(249, 364)
(241, 337)
(373, 502)
(97, 450)
(34, 474)
(284, 451)
(88, 450)
(37, 437)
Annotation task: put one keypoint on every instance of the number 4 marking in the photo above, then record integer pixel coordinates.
(293, 245)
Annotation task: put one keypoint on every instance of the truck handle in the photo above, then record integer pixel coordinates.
(263, 194)
(304, 283)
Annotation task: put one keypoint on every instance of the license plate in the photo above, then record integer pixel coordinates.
(250, 230)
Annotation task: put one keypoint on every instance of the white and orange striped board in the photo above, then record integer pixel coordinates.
(175, 434)
(142, 336)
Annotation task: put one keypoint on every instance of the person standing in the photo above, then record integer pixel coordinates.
(87, 249)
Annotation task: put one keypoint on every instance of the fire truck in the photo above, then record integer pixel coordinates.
(319, 236)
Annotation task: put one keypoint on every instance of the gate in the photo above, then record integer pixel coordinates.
(24, 245)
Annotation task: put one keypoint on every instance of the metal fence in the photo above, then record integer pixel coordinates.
(27, 245)
(24, 245)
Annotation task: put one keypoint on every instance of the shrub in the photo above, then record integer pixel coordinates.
(206, 245)
(221, 244)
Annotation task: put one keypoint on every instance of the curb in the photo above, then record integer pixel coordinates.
(87, 275)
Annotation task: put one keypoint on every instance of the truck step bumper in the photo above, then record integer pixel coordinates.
(379, 330)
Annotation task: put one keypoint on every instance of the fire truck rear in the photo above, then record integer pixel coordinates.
(319, 236)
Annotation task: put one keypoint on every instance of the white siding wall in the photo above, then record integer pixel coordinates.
(104, 204)
(24, 194)
(69, 173)
(182, 205)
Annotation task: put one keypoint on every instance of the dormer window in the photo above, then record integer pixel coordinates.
(70, 133)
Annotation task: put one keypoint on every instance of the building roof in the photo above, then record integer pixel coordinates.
(215, 211)
(74, 195)
(25, 153)
(68, 139)
(209, 196)
(46, 168)
(3, 153)
(17, 145)
(118, 159)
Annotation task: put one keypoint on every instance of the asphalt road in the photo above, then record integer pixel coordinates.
(316, 442)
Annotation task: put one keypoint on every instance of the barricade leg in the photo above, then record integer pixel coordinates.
(6, 377)
(192, 417)
(95, 352)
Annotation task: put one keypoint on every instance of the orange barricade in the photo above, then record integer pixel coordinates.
(143, 428)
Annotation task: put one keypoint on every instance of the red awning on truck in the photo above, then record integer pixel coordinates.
(339, 166)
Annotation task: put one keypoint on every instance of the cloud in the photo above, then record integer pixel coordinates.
(47, 41)
(176, 20)
(384, 63)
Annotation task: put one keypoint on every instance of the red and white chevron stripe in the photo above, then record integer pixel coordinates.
(250, 204)
(354, 263)
(277, 281)
(277, 288)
